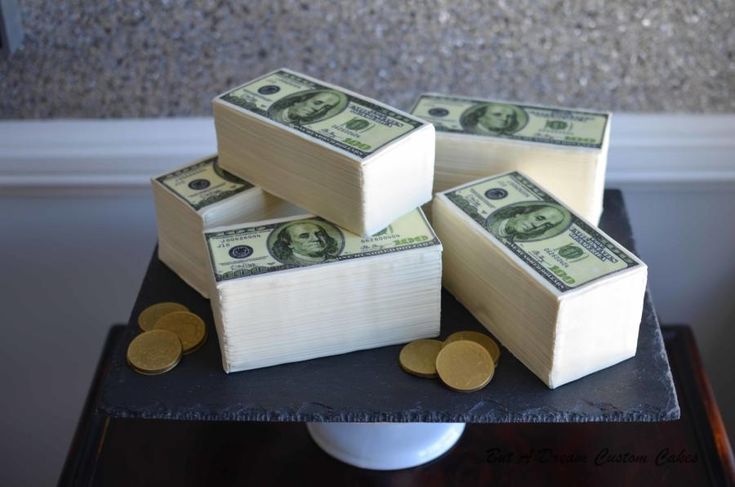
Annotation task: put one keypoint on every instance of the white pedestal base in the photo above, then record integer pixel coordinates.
(385, 446)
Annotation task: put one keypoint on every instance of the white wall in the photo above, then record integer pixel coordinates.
(686, 235)
(77, 230)
(71, 268)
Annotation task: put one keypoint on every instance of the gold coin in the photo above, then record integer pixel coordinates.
(485, 340)
(188, 326)
(154, 352)
(465, 366)
(419, 357)
(148, 317)
(155, 372)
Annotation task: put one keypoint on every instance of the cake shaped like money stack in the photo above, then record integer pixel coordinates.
(564, 149)
(352, 160)
(561, 295)
(199, 196)
(301, 287)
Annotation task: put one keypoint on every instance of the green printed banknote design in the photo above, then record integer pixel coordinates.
(559, 246)
(203, 183)
(342, 120)
(518, 122)
(248, 251)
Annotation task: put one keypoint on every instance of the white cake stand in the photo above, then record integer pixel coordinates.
(385, 446)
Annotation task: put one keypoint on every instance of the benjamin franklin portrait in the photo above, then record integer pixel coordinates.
(308, 107)
(493, 119)
(305, 242)
(529, 221)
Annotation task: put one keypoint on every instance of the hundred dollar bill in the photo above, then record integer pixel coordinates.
(203, 183)
(561, 247)
(331, 114)
(454, 114)
(252, 250)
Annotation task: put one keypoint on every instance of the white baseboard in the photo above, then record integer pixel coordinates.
(671, 150)
(112, 154)
(74, 155)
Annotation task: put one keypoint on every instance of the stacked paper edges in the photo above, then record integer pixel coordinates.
(349, 159)
(564, 149)
(200, 196)
(301, 287)
(561, 295)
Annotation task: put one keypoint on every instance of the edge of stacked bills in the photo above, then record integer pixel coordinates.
(350, 159)
(198, 196)
(563, 148)
(301, 287)
(559, 293)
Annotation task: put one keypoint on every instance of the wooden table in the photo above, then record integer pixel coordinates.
(693, 451)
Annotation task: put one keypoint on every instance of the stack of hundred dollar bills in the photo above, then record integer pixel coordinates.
(198, 196)
(301, 287)
(565, 149)
(561, 295)
(355, 161)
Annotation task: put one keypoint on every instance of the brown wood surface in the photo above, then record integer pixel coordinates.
(693, 451)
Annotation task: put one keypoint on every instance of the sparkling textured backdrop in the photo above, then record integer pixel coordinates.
(167, 58)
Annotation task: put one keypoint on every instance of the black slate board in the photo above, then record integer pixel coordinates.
(370, 386)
